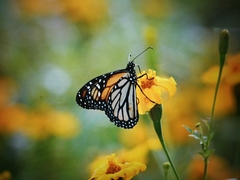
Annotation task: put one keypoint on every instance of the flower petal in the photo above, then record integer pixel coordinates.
(153, 89)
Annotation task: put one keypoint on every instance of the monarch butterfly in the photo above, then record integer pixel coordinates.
(114, 93)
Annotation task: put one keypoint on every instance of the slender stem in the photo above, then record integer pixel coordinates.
(205, 167)
(158, 129)
(222, 56)
(222, 59)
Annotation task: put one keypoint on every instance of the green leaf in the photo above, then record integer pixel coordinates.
(188, 129)
(195, 136)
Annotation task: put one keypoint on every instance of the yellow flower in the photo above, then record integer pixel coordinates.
(114, 170)
(154, 88)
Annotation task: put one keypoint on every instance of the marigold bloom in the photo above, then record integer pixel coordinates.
(154, 88)
(114, 170)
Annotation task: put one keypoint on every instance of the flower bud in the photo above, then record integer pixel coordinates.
(223, 41)
(166, 167)
(156, 112)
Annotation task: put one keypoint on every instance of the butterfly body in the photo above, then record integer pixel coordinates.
(114, 93)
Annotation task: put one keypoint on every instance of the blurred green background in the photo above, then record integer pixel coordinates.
(50, 48)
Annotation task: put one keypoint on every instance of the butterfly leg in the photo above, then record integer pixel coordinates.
(145, 94)
(145, 74)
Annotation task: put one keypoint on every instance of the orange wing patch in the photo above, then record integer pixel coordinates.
(109, 85)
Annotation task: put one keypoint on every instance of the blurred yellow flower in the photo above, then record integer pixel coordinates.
(40, 123)
(12, 119)
(154, 88)
(140, 152)
(211, 75)
(43, 123)
(225, 103)
(230, 74)
(184, 114)
(63, 124)
(115, 170)
(156, 8)
(139, 133)
(87, 12)
(150, 34)
(137, 150)
(5, 175)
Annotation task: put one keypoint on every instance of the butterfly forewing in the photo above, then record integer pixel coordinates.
(94, 94)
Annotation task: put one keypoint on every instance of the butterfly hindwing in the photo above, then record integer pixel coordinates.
(122, 103)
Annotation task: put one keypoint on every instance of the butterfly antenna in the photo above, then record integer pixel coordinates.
(140, 53)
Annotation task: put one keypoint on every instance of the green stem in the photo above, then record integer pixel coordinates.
(205, 167)
(158, 129)
(222, 59)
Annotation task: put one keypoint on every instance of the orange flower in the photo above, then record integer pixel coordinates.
(114, 170)
(230, 75)
(154, 88)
